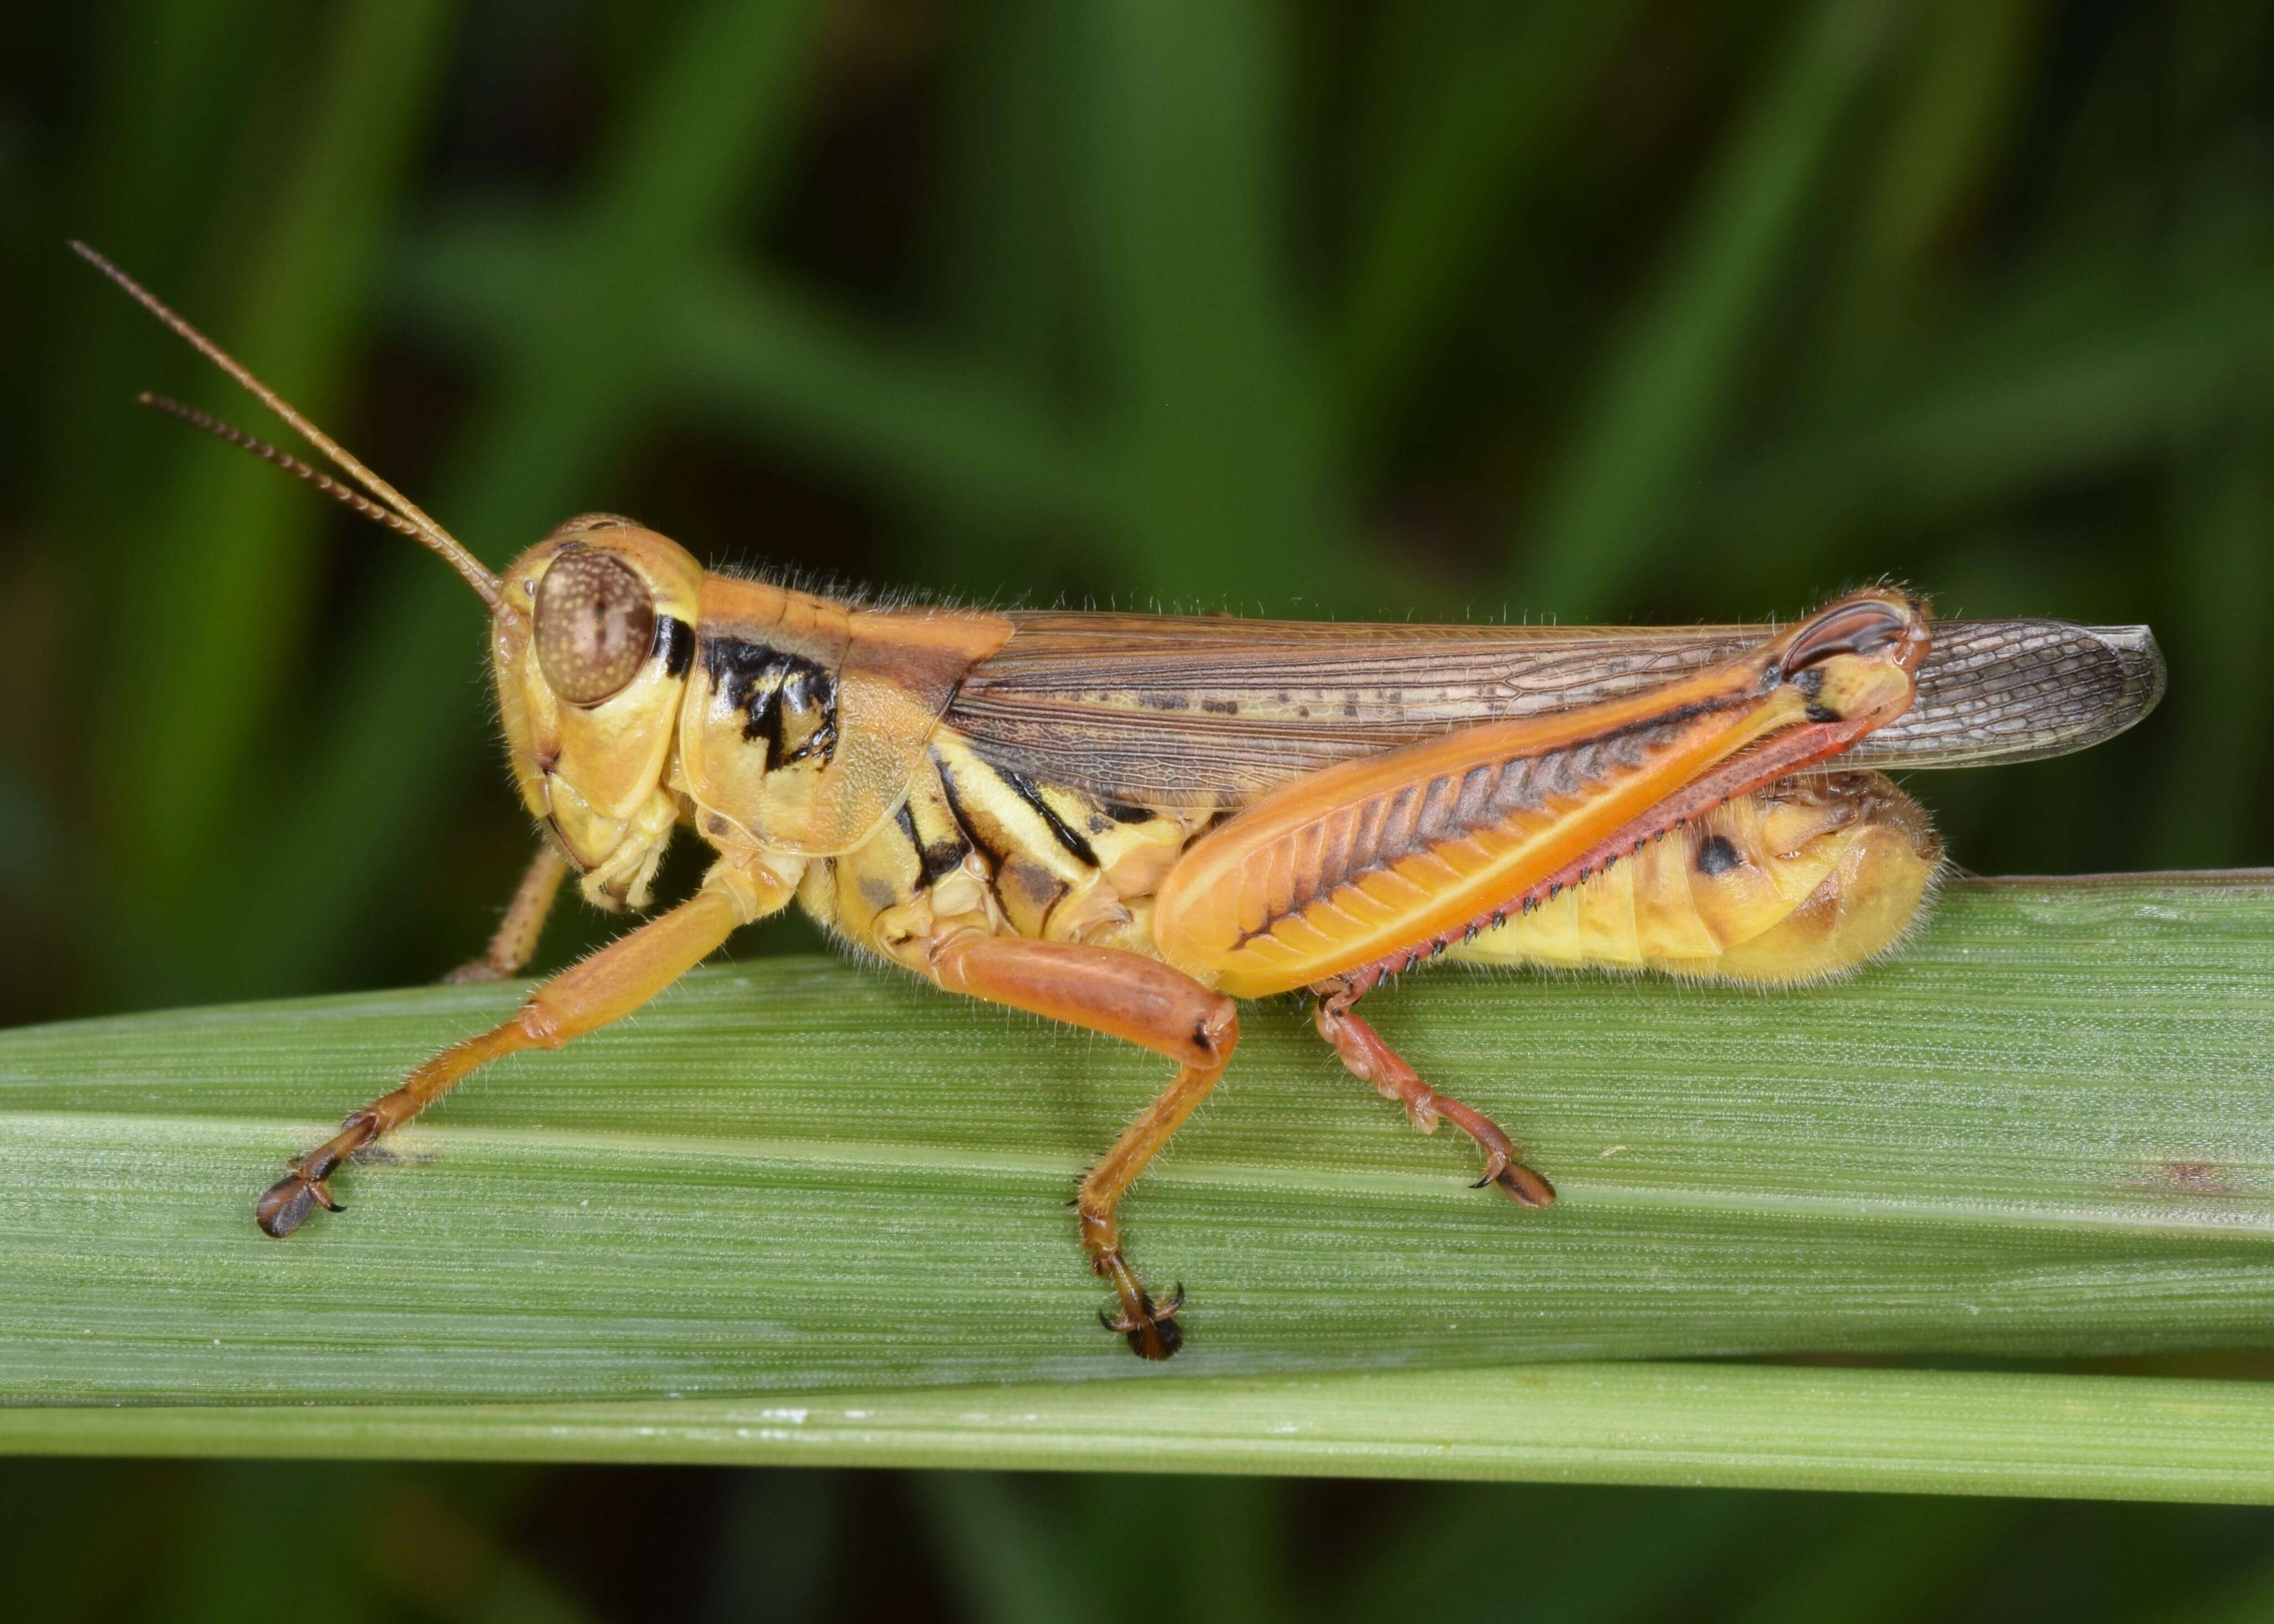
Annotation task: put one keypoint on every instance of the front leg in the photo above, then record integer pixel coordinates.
(604, 987)
(523, 923)
(1127, 997)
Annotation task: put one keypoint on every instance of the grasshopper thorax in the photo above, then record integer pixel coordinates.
(590, 656)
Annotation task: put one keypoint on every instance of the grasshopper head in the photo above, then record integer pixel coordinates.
(590, 661)
(592, 630)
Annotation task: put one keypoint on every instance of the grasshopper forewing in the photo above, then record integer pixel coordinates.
(1080, 698)
(1127, 821)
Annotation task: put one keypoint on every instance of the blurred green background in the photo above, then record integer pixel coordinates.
(1582, 309)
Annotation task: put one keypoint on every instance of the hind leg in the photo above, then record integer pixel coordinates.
(1371, 1059)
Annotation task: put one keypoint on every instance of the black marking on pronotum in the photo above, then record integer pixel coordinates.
(1810, 681)
(994, 859)
(1025, 790)
(674, 645)
(809, 687)
(745, 676)
(766, 685)
(1716, 855)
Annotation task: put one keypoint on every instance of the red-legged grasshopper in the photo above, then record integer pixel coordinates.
(1127, 821)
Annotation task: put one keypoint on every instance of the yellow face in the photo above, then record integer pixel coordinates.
(591, 666)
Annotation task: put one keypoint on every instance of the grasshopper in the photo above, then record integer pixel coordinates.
(1129, 822)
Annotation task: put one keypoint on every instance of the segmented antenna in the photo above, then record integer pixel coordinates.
(289, 463)
(390, 507)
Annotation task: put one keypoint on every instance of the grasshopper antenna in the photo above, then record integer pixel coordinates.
(392, 508)
(285, 460)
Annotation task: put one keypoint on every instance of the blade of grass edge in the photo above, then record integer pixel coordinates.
(1938, 1431)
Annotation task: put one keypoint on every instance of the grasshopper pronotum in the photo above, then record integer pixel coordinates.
(1126, 822)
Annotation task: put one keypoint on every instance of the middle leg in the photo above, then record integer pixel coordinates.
(1128, 997)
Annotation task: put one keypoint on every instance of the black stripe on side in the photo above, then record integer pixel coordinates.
(1073, 839)
(962, 818)
(942, 857)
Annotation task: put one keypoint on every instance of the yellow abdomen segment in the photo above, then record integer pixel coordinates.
(1801, 880)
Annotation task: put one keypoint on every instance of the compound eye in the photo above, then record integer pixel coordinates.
(595, 625)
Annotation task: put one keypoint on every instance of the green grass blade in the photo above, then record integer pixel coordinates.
(957, 432)
(1212, 384)
(1965, 71)
(753, 349)
(1927, 1432)
(2042, 1132)
(2075, 377)
(1471, 154)
(1669, 384)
